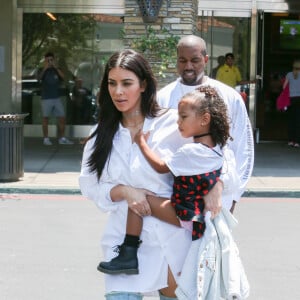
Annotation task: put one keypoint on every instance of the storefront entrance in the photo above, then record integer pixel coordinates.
(260, 53)
(279, 48)
(274, 54)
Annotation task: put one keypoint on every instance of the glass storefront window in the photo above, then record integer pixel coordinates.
(81, 44)
(227, 34)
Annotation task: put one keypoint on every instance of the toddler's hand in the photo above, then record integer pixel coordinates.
(141, 137)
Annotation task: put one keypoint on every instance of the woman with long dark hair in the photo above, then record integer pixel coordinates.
(117, 177)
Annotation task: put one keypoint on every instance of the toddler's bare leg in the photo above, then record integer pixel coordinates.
(162, 209)
(134, 223)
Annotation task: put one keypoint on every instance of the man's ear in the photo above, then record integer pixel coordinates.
(206, 58)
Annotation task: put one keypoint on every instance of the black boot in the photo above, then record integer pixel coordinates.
(126, 262)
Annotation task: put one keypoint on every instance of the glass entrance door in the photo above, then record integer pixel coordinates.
(227, 35)
(280, 49)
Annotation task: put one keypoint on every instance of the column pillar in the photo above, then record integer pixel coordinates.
(177, 17)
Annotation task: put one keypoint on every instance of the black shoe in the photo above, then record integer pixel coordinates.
(126, 262)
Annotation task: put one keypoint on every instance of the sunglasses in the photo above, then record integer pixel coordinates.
(297, 68)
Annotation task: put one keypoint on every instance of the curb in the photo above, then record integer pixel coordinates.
(74, 191)
(63, 191)
(271, 194)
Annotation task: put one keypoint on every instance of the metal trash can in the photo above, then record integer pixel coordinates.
(11, 146)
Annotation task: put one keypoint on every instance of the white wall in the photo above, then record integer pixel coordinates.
(241, 8)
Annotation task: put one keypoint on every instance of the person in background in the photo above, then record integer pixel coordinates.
(221, 61)
(191, 61)
(81, 103)
(229, 73)
(275, 88)
(293, 80)
(51, 78)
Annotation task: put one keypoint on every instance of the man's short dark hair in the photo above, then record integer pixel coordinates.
(229, 55)
(49, 54)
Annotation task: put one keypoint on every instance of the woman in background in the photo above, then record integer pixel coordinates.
(293, 80)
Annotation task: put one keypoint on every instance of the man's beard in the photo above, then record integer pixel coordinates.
(192, 81)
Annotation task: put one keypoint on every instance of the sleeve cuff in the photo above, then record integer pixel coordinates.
(99, 194)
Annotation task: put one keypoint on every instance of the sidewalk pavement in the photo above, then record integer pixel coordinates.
(55, 170)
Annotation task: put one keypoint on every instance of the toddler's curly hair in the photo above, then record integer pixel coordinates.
(207, 100)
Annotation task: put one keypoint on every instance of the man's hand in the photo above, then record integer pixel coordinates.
(213, 200)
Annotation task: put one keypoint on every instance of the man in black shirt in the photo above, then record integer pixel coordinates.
(51, 78)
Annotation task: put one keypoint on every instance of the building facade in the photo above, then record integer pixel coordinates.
(84, 33)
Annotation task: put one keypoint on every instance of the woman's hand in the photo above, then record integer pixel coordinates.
(137, 200)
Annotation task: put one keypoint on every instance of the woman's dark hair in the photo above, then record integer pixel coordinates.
(207, 100)
(109, 116)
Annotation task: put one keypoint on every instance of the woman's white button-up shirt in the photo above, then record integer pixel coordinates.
(162, 244)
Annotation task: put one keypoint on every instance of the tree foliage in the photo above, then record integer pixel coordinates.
(41, 34)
